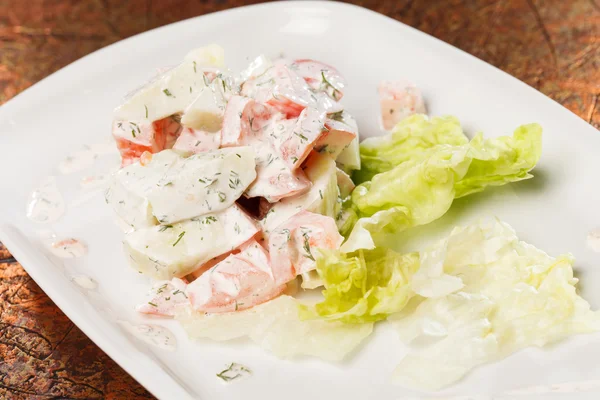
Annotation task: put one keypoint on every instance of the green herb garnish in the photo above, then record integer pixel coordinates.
(208, 220)
(306, 247)
(326, 83)
(161, 288)
(234, 180)
(301, 136)
(179, 238)
(164, 228)
(234, 371)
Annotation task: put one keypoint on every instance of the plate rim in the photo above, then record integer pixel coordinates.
(18, 247)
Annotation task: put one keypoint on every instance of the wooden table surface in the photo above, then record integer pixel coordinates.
(553, 45)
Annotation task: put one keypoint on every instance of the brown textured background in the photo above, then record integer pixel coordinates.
(553, 45)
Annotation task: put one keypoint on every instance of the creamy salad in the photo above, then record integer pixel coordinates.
(240, 189)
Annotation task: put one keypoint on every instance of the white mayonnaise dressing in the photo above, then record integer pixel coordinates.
(124, 226)
(83, 198)
(93, 182)
(593, 240)
(46, 203)
(154, 335)
(84, 282)
(92, 186)
(85, 158)
(77, 161)
(68, 248)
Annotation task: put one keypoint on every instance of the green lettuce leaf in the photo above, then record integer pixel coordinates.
(364, 286)
(502, 160)
(421, 189)
(411, 138)
(368, 231)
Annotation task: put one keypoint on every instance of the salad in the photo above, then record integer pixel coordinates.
(239, 192)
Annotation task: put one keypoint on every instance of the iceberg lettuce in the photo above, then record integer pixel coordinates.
(364, 286)
(276, 327)
(422, 187)
(410, 138)
(501, 160)
(512, 296)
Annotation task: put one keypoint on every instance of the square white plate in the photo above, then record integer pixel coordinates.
(72, 108)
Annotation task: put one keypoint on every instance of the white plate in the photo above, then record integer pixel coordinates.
(71, 108)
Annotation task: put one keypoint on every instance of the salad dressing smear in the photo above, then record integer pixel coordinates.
(152, 334)
(46, 203)
(68, 248)
(85, 158)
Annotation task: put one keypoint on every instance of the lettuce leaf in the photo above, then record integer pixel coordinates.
(276, 327)
(364, 286)
(425, 188)
(512, 296)
(502, 160)
(421, 189)
(368, 231)
(411, 138)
